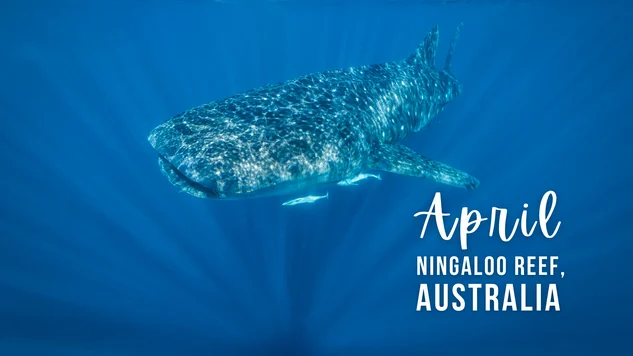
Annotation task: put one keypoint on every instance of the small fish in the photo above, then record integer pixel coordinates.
(308, 199)
(362, 176)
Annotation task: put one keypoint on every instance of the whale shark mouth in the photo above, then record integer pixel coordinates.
(186, 185)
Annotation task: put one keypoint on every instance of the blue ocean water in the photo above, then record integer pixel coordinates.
(100, 255)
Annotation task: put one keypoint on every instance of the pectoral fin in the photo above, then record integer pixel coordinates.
(402, 160)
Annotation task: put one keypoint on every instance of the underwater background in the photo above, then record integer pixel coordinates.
(101, 255)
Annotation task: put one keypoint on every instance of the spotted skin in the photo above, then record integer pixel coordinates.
(317, 129)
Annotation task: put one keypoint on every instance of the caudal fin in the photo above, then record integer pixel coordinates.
(425, 52)
(449, 56)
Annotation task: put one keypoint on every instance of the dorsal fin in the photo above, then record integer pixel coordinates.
(425, 53)
(449, 57)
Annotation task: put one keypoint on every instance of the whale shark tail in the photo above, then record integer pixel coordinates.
(449, 56)
(425, 52)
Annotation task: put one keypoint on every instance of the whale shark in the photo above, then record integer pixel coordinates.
(318, 129)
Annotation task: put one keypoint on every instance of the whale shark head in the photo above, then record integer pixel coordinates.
(183, 159)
